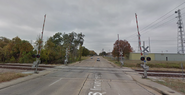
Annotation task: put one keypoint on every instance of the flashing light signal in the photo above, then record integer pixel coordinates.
(33, 55)
(142, 58)
(148, 59)
(38, 56)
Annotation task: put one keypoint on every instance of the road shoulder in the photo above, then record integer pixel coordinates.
(23, 79)
(158, 87)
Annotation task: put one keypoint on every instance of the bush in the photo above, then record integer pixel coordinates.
(12, 60)
(26, 58)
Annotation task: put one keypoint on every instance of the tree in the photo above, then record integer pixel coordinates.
(49, 52)
(57, 39)
(92, 52)
(3, 43)
(80, 40)
(85, 51)
(15, 50)
(103, 53)
(123, 47)
(55, 47)
(16, 47)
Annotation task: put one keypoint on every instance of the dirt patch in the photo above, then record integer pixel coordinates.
(2, 70)
(7, 76)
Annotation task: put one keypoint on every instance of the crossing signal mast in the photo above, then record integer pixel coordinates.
(145, 49)
(38, 49)
(120, 52)
(181, 34)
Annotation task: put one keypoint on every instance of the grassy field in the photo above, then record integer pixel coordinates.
(175, 65)
(82, 58)
(85, 57)
(7, 76)
(176, 84)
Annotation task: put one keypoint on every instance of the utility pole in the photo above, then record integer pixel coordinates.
(181, 34)
(139, 40)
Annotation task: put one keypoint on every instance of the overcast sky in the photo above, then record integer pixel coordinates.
(99, 20)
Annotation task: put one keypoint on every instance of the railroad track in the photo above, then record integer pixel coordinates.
(24, 66)
(162, 73)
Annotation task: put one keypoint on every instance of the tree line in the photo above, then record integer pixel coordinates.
(53, 51)
(120, 47)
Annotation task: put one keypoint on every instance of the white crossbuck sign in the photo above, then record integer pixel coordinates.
(145, 49)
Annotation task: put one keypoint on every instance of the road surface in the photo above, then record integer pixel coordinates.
(90, 77)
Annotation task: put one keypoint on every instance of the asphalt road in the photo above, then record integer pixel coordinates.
(90, 77)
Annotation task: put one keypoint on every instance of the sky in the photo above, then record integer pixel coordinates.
(99, 20)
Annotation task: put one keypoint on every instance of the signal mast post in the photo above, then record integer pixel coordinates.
(144, 66)
(66, 60)
(121, 58)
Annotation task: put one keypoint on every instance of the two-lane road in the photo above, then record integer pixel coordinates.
(90, 77)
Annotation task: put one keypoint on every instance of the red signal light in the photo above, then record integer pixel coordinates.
(142, 58)
(33, 55)
(148, 59)
(38, 56)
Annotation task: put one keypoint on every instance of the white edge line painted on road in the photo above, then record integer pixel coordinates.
(55, 82)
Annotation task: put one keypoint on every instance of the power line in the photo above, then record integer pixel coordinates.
(163, 16)
(142, 32)
(158, 22)
(182, 8)
(159, 25)
(149, 26)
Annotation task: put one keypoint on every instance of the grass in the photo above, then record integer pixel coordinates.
(176, 84)
(151, 64)
(84, 57)
(7, 76)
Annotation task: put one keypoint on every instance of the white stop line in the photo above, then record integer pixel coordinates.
(96, 93)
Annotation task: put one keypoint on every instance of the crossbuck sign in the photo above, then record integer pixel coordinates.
(145, 49)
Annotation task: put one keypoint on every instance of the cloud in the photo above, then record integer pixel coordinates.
(99, 20)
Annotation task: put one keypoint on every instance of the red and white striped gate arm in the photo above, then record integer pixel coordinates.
(138, 35)
(42, 34)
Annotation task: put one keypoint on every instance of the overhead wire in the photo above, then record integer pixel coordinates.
(182, 8)
(158, 22)
(149, 26)
(143, 30)
(156, 26)
(163, 15)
